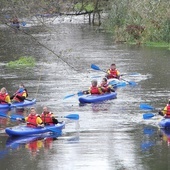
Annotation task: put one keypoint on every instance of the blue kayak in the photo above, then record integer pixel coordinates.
(97, 98)
(164, 123)
(26, 102)
(29, 131)
(117, 83)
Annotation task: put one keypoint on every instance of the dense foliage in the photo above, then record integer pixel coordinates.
(139, 21)
(128, 20)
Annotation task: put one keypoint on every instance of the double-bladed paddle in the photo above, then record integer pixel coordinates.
(13, 117)
(95, 67)
(80, 93)
(145, 106)
(70, 116)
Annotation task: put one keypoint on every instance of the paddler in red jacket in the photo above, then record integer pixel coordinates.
(4, 96)
(94, 89)
(20, 94)
(48, 117)
(112, 72)
(166, 111)
(105, 87)
(33, 119)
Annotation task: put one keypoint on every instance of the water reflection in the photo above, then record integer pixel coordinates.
(148, 141)
(32, 143)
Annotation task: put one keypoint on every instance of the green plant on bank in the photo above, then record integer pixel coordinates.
(24, 61)
(88, 7)
(140, 22)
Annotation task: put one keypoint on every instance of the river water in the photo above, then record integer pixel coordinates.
(108, 136)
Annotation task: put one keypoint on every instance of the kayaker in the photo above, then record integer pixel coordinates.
(105, 87)
(112, 72)
(4, 96)
(20, 94)
(94, 89)
(15, 22)
(166, 111)
(33, 119)
(48, 117)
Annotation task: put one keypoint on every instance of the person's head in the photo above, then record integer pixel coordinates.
(45, 110)
(104, 80)
(3, 90)
(33, 111)
(21, 86)
(94, 83)
(113, 66)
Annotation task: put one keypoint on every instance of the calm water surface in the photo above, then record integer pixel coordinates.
(108, 136)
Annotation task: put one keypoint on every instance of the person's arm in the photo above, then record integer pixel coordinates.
(164, 111)
(55, 121)
(7, 99)
(22, 98)
(39, 122)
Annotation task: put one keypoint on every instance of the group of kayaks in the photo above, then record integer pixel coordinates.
(57, 129)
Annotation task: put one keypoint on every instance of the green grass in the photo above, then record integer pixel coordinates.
(22, 62)
(158, 44)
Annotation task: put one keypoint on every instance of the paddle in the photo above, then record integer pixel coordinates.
(130, 82)
(145, 106)
(14, 117)
(80, 93)
(148, 115)
(70, 116)
(95, 67)
(131, 74)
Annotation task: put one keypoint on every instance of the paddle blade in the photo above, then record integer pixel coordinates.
(80, 93)
(23, 23)
(132, 83)
(72, 116)
(71, 95)
(146, 106)
(94, 67)
(148, 115)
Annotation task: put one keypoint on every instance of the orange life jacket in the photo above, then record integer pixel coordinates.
(19, 94)
(46, 118)
(31, 121)
(112, 73)
(95, 90)
(3, 97)
(168, 110)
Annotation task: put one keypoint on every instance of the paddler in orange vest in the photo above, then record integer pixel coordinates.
(4, 96)
(166, 111)
(105, 87)
(33, 119)
(48, 117)
(112, 72)
(94, 89)
(20, 94)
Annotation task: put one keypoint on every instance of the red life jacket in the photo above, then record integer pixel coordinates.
(168, 110)
(94, 90)
(3, 97)
(46, 118)
(19, 94)
(112, 73)
(31, 121)
(105, 87)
